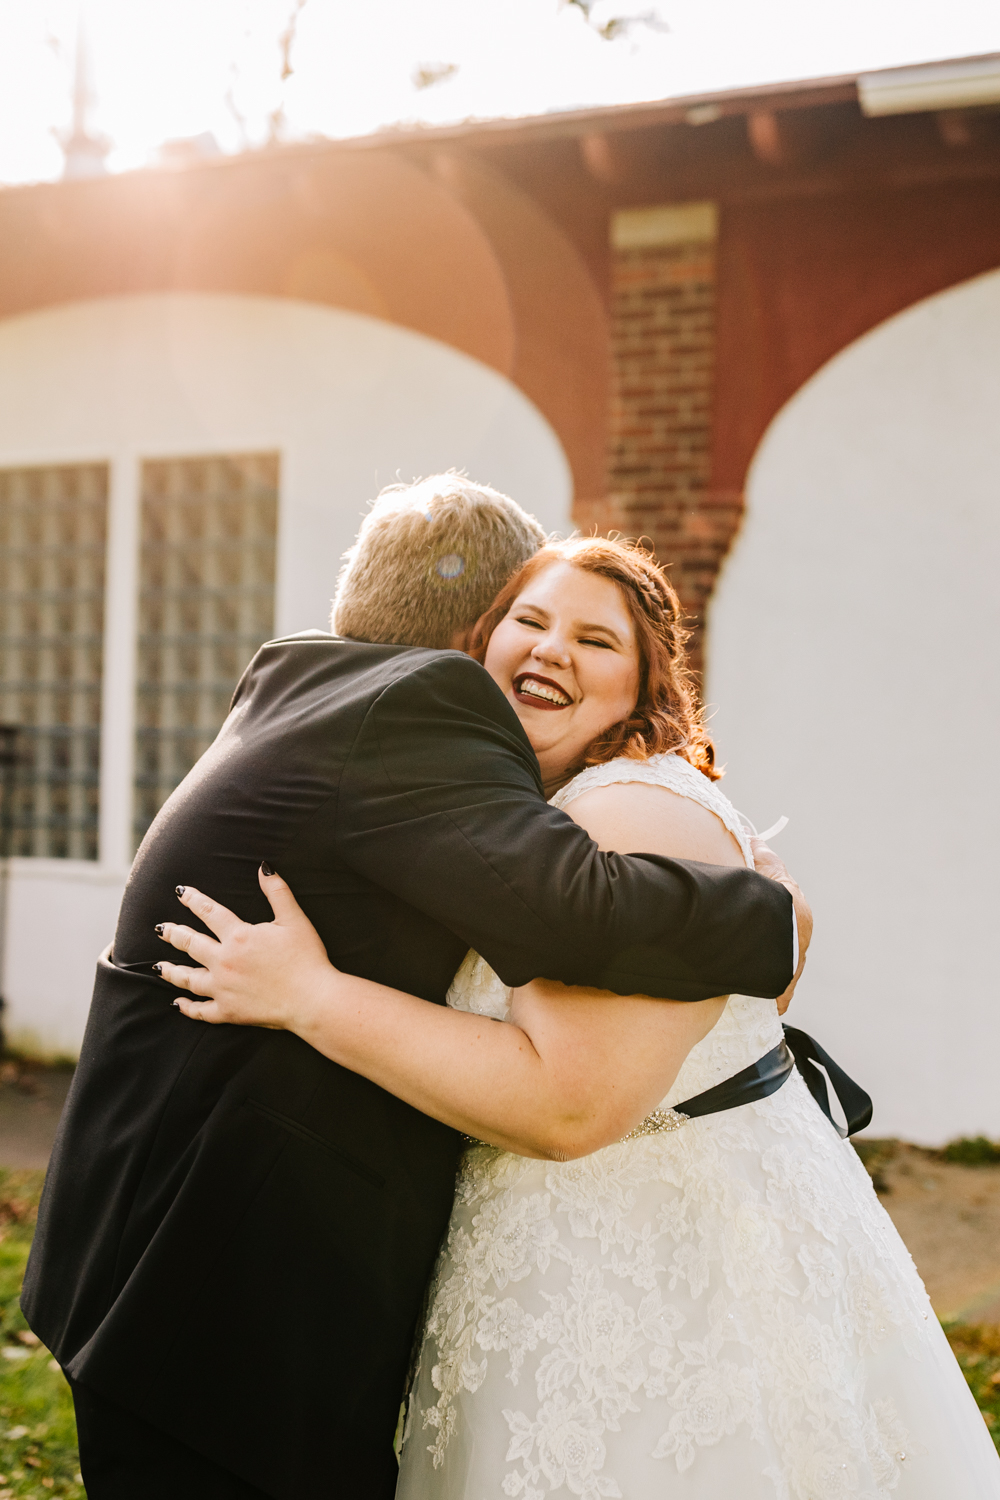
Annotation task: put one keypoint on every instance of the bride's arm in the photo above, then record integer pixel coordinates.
(574, 1070)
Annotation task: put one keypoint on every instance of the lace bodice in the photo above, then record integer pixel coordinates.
(747, 1028)
(670, 771)
(723, 1309)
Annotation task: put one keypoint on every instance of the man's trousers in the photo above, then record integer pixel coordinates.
(123, 1457)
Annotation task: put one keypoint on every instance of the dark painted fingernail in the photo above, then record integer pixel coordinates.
(265, 868)
(158, 968)
(177, 1003)
(158, 929)
(180, 889)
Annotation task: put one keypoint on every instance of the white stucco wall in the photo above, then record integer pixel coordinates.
(853, 655)
(351, 403)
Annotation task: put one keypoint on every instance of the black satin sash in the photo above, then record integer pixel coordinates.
(769, 1072)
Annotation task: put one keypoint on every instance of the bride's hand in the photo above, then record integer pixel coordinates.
(766, 862)
(252, 974)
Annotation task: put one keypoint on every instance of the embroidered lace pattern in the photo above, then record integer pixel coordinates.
(670, 771)
(733, 1280)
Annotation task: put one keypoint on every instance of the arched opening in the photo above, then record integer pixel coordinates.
(258, 428)
(852, 654)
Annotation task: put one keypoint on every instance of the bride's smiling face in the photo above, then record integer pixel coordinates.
(566, 656)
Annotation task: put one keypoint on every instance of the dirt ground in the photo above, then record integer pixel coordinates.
(949, 1217)
(948, 1214)
(31, 1101)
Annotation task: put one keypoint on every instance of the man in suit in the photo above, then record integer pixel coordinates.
(236, 1234)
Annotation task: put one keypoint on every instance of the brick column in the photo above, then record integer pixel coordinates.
(663, 358)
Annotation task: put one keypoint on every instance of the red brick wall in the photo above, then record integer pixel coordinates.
(659, 461)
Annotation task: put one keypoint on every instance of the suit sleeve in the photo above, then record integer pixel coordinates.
(440, 802)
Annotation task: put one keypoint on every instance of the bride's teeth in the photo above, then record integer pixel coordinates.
(539, 690)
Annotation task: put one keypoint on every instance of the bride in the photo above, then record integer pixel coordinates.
(628, 1304)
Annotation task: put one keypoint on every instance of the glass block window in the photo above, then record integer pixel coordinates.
(206, 602)
(53, 530)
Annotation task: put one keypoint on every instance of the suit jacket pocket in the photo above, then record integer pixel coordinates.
(296, 1128)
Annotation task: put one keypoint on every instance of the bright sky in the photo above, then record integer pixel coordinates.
(165, 69)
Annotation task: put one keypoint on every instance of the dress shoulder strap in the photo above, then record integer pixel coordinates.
(671, 771)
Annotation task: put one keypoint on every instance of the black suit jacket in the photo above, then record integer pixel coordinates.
(236, 1233)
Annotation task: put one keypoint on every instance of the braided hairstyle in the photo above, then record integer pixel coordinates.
(667, 715)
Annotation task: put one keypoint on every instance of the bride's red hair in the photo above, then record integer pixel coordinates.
(667, 715)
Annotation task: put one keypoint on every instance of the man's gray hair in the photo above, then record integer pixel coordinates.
(429, 560)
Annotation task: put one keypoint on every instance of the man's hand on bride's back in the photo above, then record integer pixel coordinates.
(263, 974)
(766, 862)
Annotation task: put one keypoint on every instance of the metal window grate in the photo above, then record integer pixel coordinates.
(53, 532)
(206, 603)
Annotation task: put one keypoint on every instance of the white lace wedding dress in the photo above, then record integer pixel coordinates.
(720, 1312)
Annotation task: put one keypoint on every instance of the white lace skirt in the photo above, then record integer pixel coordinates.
(723, 1311)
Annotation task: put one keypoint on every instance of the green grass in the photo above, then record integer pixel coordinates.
(968, 1151)
(977, 1349)
(38, 1454)
(974, 1151)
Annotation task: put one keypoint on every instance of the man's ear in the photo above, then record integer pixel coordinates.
(462, 639)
